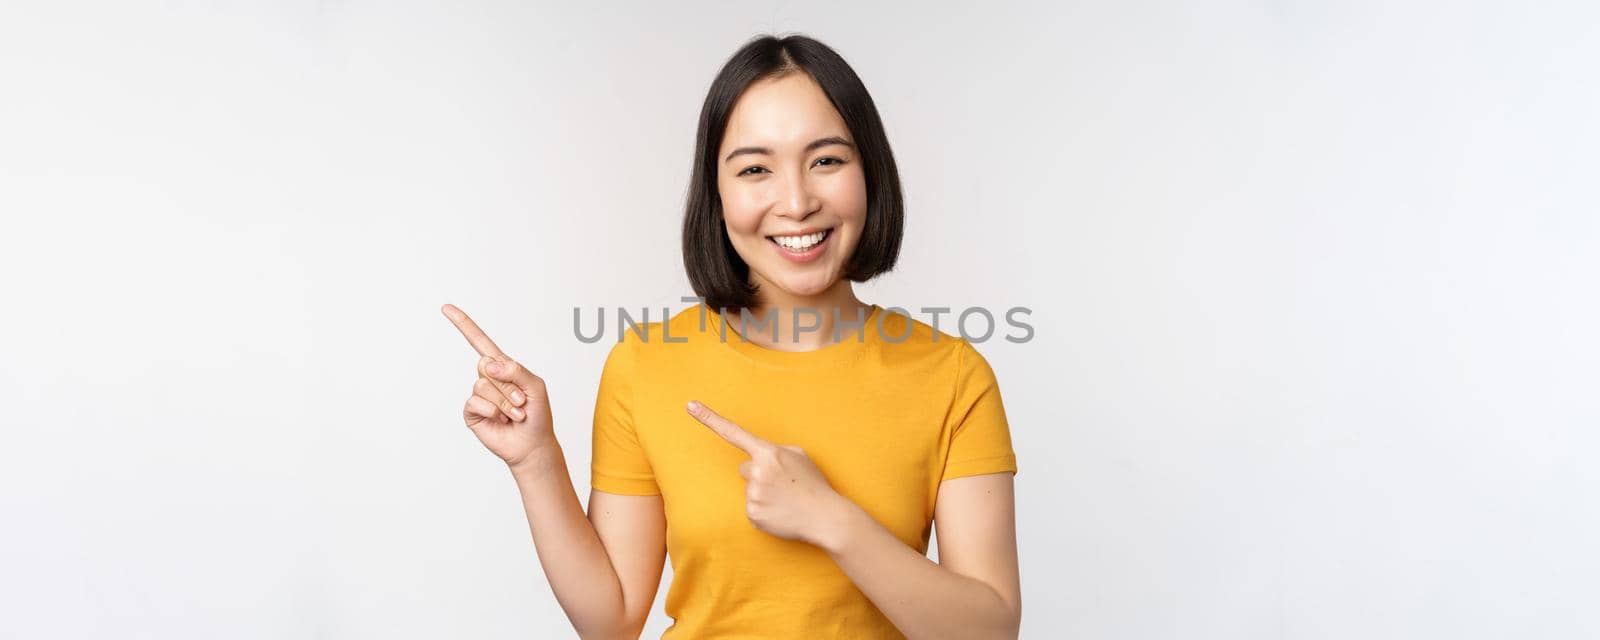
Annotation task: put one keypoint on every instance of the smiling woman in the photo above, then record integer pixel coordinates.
(790, 160)
(801, 471)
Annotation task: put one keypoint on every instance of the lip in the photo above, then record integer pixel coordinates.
(813, 253)
(803, 232)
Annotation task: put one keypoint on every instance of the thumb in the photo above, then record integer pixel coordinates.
(509, 372)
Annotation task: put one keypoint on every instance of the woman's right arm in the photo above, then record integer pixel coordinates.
(604, 568)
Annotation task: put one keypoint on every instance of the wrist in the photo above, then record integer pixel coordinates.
(836, 527)
(538, 461)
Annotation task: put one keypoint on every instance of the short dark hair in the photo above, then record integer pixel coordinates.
(717, 273)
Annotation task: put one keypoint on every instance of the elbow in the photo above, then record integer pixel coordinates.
(624, 629)
(626, 622)
(628, 631)
(1013, 620)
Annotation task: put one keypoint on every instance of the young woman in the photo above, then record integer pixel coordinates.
(788, 444)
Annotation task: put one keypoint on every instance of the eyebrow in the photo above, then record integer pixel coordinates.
(815, 144)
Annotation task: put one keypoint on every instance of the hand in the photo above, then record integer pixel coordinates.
(785, 493)
(508, 409)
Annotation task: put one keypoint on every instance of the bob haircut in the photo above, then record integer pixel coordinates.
(717, 273)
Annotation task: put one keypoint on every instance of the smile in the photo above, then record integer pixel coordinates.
(803, 247)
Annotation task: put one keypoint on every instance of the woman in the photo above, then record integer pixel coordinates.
(798, 441)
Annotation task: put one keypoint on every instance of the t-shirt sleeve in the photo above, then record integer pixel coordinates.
(980, 440)
(617, 462)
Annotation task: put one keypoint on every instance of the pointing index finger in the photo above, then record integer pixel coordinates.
(734, 434)
(476, 337)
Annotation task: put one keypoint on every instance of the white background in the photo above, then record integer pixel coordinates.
(1314, 286)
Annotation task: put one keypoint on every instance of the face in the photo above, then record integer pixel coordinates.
(794, 198)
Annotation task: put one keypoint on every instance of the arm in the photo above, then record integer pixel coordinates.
(973, 591)
(604, 569)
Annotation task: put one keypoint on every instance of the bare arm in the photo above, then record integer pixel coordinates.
(604, 568)
(974, 590)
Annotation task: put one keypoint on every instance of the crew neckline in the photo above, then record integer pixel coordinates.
(847, 349)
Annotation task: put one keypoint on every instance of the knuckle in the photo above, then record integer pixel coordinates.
(484, 364)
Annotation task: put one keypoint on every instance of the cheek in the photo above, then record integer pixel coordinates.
(742, 215)
(848, 197)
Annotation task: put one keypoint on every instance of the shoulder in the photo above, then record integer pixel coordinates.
(908, 336)
(640, 336)
(935, 352)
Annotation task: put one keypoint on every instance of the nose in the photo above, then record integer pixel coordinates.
(797, 201)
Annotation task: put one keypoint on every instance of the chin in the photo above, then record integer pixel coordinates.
(803, 286)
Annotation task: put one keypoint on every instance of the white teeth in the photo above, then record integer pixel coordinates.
(800, 243)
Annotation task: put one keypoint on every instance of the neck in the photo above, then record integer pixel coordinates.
(774, 314)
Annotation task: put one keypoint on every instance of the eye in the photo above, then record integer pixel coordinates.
(751, 170)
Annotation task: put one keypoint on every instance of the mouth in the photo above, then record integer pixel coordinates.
(802, 247)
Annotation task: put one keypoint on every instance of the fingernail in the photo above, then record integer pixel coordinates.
(493, 368)
(517, 413)
(516, 396)
(694, 407)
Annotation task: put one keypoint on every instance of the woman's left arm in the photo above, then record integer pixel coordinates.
(972, 592)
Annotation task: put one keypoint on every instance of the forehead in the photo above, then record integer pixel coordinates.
(791, 110)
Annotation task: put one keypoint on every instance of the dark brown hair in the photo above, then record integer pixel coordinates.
(717, 273)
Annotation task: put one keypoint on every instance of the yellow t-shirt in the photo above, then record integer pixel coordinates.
(884, 418)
